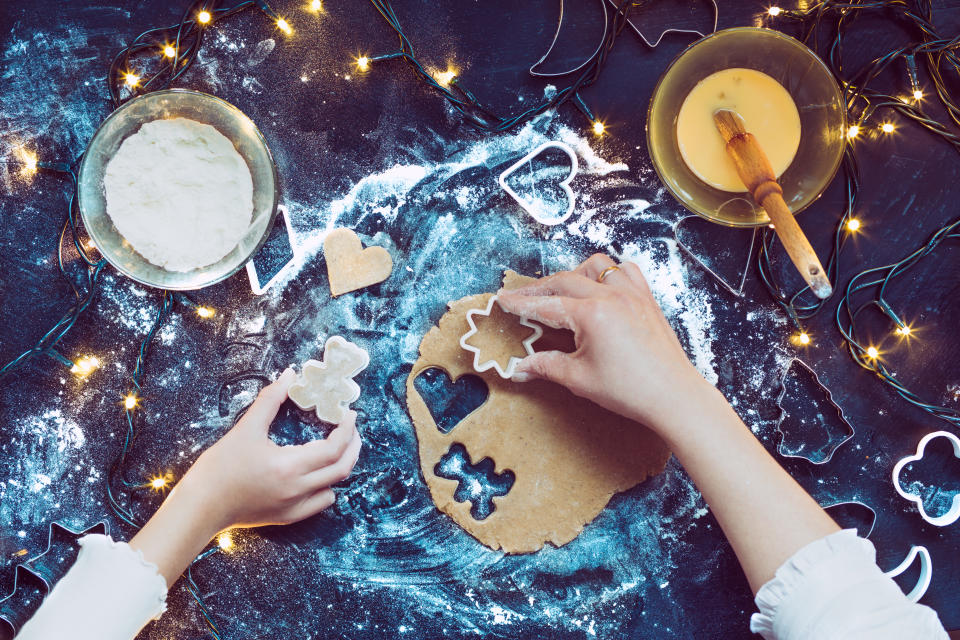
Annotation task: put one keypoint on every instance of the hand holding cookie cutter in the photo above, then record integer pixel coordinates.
(479, 366)
(328, 386)
(953, 514)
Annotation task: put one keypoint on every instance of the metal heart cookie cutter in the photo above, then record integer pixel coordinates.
(953, 514)
(480, 367)
(534, 212)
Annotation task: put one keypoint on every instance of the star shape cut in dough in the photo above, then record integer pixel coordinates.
(328, 386)
(484, 342)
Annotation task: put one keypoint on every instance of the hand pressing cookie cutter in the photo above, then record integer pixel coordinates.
(564, 184)
(783, 413)
(953, 514)
(480, 367)
(328, 386)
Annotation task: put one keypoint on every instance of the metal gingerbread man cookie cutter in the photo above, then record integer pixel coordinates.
(479, 366)
(953, 513)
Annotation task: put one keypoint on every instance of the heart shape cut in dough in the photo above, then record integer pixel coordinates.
(537, 213)
(350, 266)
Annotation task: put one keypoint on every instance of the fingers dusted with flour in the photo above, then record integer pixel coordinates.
(627, 357)
(247, 480)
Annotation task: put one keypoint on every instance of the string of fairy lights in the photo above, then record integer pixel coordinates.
(869, 109)
(876, 280)
(158, 57)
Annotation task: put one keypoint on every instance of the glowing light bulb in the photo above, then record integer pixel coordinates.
(316, 5)
(774, 11)
(904, 330)
(803, 337)
(853, 131)
(205, 312)
(444, 78)
(887, 127)
(917, 94)
(130, 402)
(28, 159)
(225, 541)
(853, 224)
(363, 63)
(598, 128)
(158, 483)
(204, 17)
(131, 79)
(169, 51)
(872, 353)
(284, 26)
(84, 366)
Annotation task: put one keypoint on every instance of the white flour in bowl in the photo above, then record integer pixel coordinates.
(179, 192)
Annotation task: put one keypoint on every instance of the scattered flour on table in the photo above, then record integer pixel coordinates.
(179, 193)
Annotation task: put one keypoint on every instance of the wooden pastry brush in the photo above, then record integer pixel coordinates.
(755, 171)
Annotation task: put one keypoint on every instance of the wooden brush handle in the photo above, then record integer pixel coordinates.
(755, 171)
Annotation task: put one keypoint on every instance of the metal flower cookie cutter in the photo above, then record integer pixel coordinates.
(953, 513)
(479, 366)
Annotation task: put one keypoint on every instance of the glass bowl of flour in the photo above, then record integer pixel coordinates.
(178, 189)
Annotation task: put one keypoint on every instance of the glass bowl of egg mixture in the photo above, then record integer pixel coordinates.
(178, 189)
(788, 100)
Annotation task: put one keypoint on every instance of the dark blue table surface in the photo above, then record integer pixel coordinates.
(382, 154)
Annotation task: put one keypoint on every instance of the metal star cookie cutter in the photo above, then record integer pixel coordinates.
(783, 413)
(564, 184)
(33, 569)
(480, 367)
(716, 17)
(953, 513)
(738, 292)
(926, 562)
(847, 503)
(256, 286)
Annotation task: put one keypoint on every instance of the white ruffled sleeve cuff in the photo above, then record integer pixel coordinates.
(833, 588)
(110, 593)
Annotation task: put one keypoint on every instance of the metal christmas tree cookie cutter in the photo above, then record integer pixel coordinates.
(832, 448)
(479, 366)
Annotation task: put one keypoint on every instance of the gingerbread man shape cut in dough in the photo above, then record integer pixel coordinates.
(568, 455)
(328, 386)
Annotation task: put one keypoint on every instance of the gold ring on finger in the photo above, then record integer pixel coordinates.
(606, 272)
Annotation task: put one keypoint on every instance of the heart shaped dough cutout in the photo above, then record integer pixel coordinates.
(350, 266)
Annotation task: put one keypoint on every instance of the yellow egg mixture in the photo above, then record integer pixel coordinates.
(768, 112)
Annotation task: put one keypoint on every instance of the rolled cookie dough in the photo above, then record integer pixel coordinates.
(569, 456)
